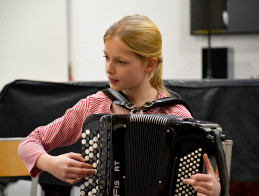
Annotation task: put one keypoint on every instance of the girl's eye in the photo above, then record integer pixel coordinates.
(106, 58)
(121, 62)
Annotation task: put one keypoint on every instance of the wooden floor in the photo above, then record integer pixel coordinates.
(244, 189)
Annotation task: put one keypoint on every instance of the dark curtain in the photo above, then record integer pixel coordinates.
(233, 104)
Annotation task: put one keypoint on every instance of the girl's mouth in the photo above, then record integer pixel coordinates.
(112, 81)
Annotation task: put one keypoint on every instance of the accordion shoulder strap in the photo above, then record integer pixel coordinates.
(119, 98)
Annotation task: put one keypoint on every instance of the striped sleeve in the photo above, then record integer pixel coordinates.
(63, 131)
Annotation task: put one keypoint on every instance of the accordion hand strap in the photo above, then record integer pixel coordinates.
(221, 163)
(119, 98)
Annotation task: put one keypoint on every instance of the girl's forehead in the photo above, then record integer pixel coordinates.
(116, 46)
(116, 42)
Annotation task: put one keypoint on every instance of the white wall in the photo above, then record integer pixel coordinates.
(33, 42)
(33, 39)
(181, 51)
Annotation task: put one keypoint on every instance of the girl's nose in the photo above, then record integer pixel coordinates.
(109, 67)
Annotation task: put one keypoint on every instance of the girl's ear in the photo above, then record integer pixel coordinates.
(151, 64)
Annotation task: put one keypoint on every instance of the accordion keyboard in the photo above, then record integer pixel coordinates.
(188, 165)
(91, 155)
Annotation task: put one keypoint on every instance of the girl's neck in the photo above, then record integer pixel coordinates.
(141, 95)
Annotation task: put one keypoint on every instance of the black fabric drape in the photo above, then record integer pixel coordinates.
(233, 104)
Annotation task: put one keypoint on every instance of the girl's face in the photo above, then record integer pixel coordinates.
(125, 70)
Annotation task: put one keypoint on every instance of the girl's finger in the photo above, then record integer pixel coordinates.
(76, 156)
(189, 181)
(208, 166)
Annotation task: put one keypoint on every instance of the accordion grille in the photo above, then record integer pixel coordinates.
(145, 143)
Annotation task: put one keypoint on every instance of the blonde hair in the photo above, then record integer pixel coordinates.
(143, 38)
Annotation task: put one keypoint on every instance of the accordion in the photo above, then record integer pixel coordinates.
(148, 154)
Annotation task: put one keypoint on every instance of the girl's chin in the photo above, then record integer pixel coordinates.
(114, 87)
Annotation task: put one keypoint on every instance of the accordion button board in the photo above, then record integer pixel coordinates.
(90, 153)
(143, 155)
(188, 165)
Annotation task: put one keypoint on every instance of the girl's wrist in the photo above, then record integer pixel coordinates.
(43, 162)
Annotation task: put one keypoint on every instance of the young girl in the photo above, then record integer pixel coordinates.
(133, 64)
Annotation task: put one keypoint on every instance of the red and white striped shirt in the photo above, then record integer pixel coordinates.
(67, 129)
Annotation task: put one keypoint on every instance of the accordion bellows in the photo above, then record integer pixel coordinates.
(146, 155)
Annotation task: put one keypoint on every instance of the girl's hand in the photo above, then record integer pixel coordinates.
(205, 184)
(70, 167)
